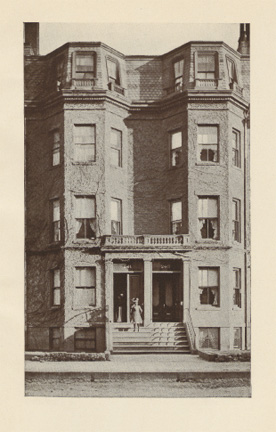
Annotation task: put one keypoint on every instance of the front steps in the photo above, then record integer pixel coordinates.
(163, 337)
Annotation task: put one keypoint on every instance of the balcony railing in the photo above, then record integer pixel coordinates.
(87, 84)
(207, 83)
(177, 88)
(115, 87)
(147, 241)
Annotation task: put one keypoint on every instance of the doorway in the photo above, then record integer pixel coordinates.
(167, 298)
(126, 287)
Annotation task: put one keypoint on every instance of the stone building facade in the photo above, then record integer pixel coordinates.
(137, 185)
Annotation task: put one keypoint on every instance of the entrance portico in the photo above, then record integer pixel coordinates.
(160, 283)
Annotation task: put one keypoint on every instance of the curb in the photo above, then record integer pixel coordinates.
(113, 376)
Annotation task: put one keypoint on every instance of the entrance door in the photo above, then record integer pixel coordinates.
(167, 298)
(126, 287)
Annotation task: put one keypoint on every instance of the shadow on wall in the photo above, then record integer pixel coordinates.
(145, 81)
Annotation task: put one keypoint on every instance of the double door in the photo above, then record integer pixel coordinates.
(167, 298)
(126, 287)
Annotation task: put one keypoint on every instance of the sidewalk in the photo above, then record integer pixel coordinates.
(169, 365)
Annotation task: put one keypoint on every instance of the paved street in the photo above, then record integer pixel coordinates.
(81, 386)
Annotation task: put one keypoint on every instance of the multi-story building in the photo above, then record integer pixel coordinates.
(137, 185)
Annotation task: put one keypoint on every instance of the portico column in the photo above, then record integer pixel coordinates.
(109, 303)
(186, 287)
(147, 292)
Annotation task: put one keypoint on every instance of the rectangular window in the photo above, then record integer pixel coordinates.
(85, 287)
(176, 148)
(208, 217)
(178, 68)
(236, 220)
(84, 143)
(116, 216)
(116, 147)
(237, 287)
(237, 338)
(55, 338)
(231, 72)
(209, 338)
(236, 148)
(176, 217)
(206, 66)
(85, 65)
(55, 220)
(85, 214)
(209, 286)
(113, 71)
(85, 340)
(207, 141)
(56, 287)
(56, 147)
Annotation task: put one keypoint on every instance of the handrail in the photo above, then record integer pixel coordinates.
(190, 329)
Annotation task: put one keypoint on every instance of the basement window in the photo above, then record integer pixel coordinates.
(85, 340)
(209, 337)
(54, 338)
(208, 217)
(85, 214)
(237, 344)
(209, 286)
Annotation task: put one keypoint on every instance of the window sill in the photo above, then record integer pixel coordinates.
(208, 308)
(55, 307)
(207, 163)
(82, 241)
(84, 163)
(209, 241)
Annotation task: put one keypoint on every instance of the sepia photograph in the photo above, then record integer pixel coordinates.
(137, 210)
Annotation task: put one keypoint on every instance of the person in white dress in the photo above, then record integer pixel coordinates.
(136, 314)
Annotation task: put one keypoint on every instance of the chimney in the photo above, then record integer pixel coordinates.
(31, 38)
(244, 39)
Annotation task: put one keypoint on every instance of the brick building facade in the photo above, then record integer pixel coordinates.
(137, 185)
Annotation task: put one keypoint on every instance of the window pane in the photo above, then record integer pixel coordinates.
(176, 140)
(85, 277)
(212, 277)
(85, 208)
(115, 138)
(84, 60)
(56, 157)
(209, 338)
(115, 210)
(207, 134)
(177, 211)
(56, 297)
(84, 134)
(56, 211)
(206, 63)
(56, 278)
(178, 68)
(207, 207)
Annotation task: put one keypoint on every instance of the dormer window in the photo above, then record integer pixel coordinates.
(206, 66)
(85, 64)
(113, 71)
(232, 75)
(178, 68)
(84, 69)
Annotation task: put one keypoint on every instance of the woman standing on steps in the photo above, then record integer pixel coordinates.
(136, 314)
